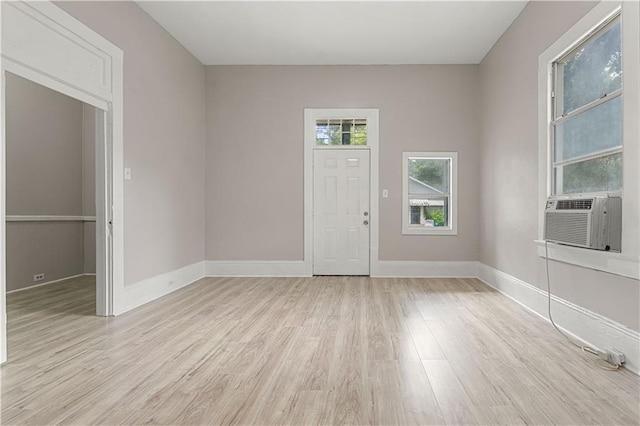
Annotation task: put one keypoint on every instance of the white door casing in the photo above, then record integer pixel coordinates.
(311, 115)
(44, 44)
(341, 212)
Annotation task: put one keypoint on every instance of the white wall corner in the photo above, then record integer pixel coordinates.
(424, 269)
(585, 326)
(255, 268)
(153, 288)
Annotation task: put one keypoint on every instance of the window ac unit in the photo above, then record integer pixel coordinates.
(591, 222)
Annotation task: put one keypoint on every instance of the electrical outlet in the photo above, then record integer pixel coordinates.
(38, 277)
(615, 356)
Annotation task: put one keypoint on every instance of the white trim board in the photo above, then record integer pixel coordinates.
(45, 218)
(384, 268)
(586, 326)
(47, 283)
(613, 263)
(425, 269)
(153, 288)
(255, 268)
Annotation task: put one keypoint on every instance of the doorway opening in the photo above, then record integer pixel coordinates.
(50, 186)
(43, 44)
(341, 191)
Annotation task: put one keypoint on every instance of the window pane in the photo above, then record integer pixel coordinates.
(328, 133)
(359, 134)
(429, 212)
(593, 69)
(595, 175)
(591, 131)
(429, 175)
(416, 215)
(348, 131)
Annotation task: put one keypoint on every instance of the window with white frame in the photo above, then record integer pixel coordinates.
(588, 130)
(586, 126)
(429, 193)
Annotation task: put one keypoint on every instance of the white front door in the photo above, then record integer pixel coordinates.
(341, 212)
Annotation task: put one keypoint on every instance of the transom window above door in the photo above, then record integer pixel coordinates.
(341, 131)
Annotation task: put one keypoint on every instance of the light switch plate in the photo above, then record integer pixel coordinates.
(127, 173)
(385, 193)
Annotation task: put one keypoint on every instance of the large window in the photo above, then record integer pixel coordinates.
(586, 127)
(588, 130)
(429, 193)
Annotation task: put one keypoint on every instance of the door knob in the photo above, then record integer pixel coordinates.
(366, 213)
(366, 222)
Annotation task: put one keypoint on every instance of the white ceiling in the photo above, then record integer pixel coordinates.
(335, 32)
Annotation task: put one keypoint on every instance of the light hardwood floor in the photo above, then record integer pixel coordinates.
(322, 350)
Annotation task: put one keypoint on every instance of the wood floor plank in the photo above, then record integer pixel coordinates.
(453, 400)
(320, 350)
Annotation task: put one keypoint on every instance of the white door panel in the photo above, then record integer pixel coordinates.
(340, 212)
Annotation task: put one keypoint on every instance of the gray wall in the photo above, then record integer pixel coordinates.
(254, 203)
(46, 167)
(44, 150)
(509, 167)
(164, 136)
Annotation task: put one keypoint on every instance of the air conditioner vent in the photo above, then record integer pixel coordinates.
(574, 204)
(568, 228)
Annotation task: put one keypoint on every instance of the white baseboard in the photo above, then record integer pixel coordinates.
(47, 283)
(584, 325)
(153, 288)
(240, 268)
(424, 269)
(385, 268)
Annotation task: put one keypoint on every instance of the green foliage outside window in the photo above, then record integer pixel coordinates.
(437, 215)
(341, 132)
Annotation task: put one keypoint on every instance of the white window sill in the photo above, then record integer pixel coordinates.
(606, 261)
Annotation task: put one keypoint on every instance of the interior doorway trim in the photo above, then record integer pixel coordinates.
(311, 115)
(44, 44)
